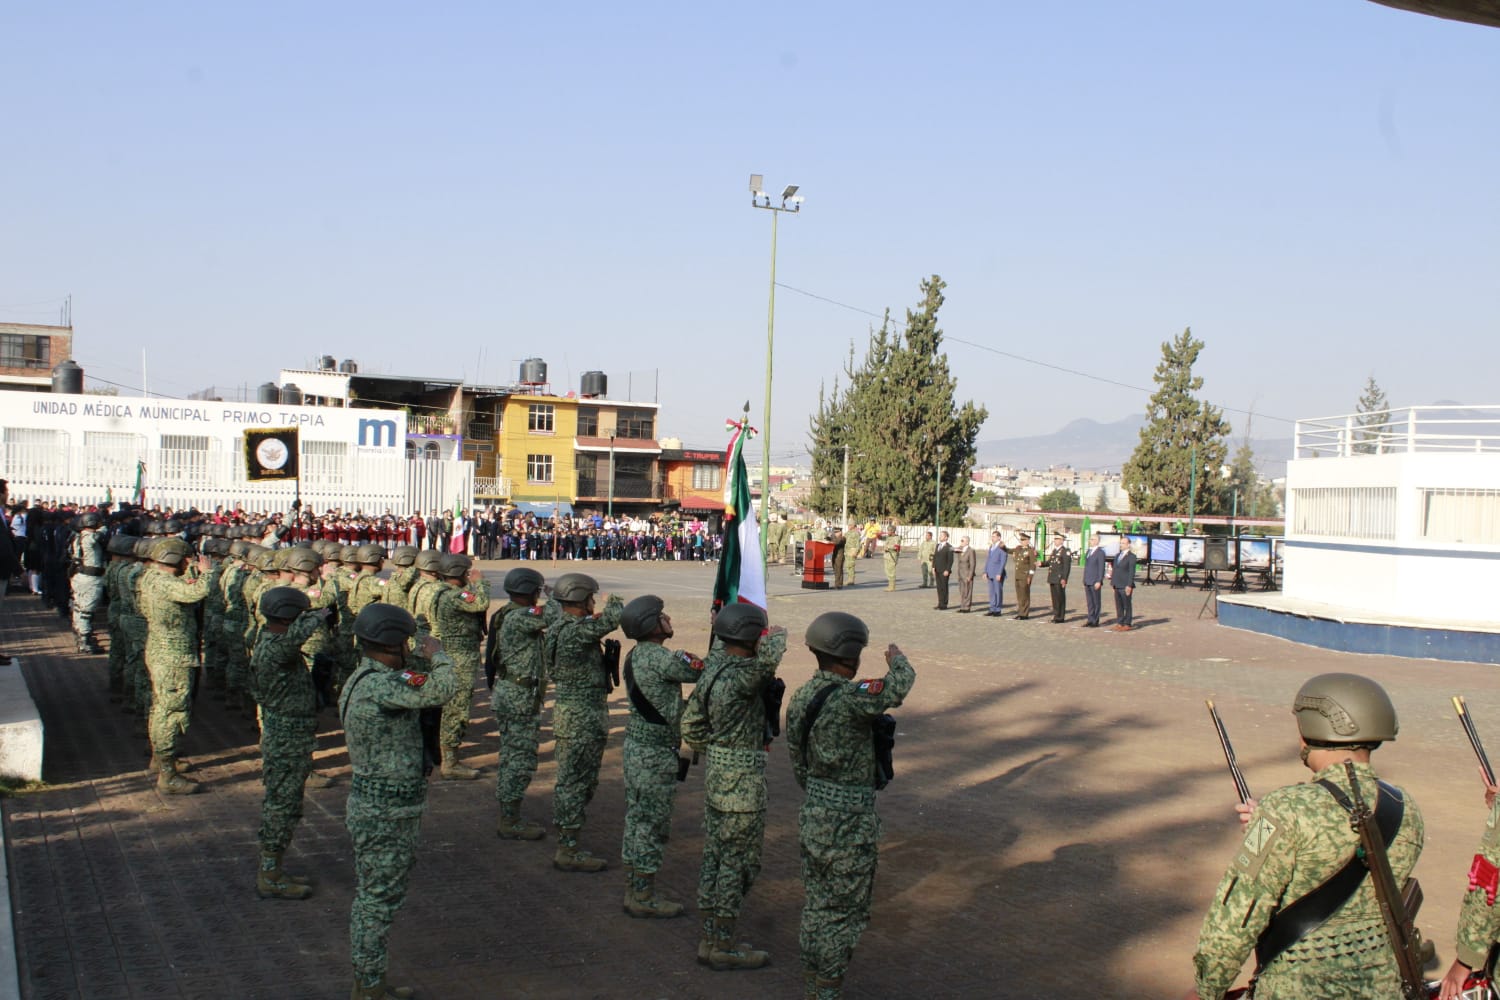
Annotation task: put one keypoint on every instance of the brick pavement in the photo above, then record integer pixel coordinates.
(1059, 816)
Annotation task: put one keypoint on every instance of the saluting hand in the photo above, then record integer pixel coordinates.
(891, 652)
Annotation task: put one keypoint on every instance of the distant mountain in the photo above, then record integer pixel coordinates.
(1088, 444)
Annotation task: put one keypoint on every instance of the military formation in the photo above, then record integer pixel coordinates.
(396, 642)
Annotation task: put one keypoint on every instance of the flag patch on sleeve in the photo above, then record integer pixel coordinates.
(416, 680)
(871, 686)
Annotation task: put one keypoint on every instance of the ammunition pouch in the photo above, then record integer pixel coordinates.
(883, 735)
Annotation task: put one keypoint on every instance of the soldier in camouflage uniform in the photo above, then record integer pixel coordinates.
(288, 730)
(121, 558)
(366, 587)
(236, 623)
(519, 631)
(1478, 919)
(726, 717)
(133, 624)
(1296, 838)
(167, 600)
(380, 706)
(87, 556)
(580, 716)
(425, 587)
(653, 677)
(458, 611)
(403, 575)
(215, 661)
(831, 739)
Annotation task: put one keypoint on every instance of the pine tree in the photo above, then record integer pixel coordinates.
(1059, 500)
(1373, 417)
(1179, 427)
(906, 435)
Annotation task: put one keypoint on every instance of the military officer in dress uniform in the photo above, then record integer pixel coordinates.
(1296, 839)
(1023, 565)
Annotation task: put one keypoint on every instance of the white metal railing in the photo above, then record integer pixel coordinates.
(1414, 429)
(492, 486)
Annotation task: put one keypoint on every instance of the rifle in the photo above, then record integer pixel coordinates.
(1398, 909)
(1240, 787)
(1462, 709)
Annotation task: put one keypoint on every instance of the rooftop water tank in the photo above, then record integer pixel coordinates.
(349, 367)
(291, 395)
(533, 372)
(268, 393)
(68, 377)
(594, 385)
(326, 362)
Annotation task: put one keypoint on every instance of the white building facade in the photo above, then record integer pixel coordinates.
(83, 448)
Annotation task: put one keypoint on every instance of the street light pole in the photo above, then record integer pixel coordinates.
(611, 477)
(937, 493)
(790, 202)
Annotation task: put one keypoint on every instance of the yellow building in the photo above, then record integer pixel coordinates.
(596, 453)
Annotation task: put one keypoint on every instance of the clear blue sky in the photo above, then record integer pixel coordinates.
(445, 189)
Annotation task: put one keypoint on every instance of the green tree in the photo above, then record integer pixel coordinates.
(1179, 426)
(908, 438)
(1060, 500)
(1373, 417)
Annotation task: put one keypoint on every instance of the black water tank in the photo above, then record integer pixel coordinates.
(533, 371)
(349, 367)
(268, 393)
(594, 385)
(68, 377)
(291, 395)
(326, 362)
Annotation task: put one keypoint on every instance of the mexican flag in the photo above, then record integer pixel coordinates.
(741, 575)
(140, 484)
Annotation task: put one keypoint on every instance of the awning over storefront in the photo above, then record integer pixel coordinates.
(693, 503)
(544, 508)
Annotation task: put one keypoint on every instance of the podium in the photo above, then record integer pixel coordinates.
(815, 555)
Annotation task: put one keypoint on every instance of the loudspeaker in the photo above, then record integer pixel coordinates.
(1216, 553)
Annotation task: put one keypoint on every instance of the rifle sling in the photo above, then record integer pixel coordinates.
(1292, 922)
(638, 697)
(814, 707)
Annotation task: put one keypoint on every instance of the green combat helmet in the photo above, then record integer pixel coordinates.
(348, 553)
(1342, 709)
(454, 566)
(384, 625)
(122, 545)
(838, 634)
(741, 623)
(575, 588)
(300, 560)
(641, 616)
(523, 580)
(369, 554)
(283, 603)
(404, 555)
(170, 551)
(428, 560)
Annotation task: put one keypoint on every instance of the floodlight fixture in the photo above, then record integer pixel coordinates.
(791, 189)
(757, 185)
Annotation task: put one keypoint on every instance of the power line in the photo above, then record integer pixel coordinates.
(1017, 357)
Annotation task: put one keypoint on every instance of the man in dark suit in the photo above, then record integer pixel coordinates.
(435, 532)
(1059, 565)
(942, 569)
(1093, 582)
(1123, 581)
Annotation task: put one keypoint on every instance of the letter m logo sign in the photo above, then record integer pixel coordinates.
(377, 433)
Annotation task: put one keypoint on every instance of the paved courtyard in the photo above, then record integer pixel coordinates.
(1059, 818)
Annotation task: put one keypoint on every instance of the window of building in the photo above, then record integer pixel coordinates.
(324, 464)
(37, 455)
(1345, 511)
(539, 418)
(111, 458)
(411, 449)
(431, 452)
(588, 421)
(1470, 517)
(539, 468)
(639, 424)
(184, 460)
(707, 477)
(19, 350)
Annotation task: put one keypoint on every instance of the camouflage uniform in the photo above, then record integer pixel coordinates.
(734, 781)
(520, 684)
(580, 718)
(366, 590)
(838, 828)
(651, 751)
(235, 621)
(86, 550)
(387, 794)
(114, 575)
(892, 547)
(1297, 837)
(399, 590)
(288, 727)
(133, 625)
(171, 652)
(1478, 920)
(458, 620)
(215, 661)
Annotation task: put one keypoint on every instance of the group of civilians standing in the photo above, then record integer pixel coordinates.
(942, 564)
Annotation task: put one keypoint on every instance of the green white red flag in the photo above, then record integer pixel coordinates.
(741, 576)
